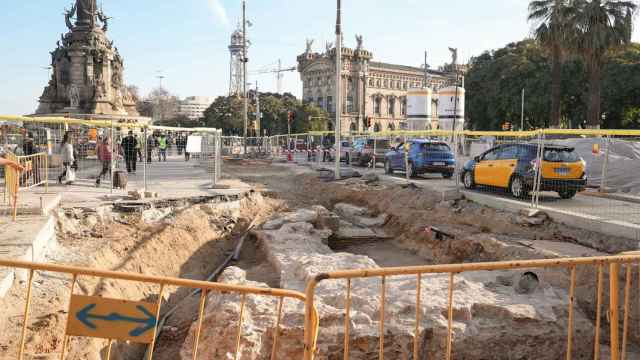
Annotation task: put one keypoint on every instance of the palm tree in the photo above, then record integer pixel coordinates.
(602, 26)
(552, 33)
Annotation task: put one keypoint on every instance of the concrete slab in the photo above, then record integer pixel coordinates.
(34, 202)
(28, 239)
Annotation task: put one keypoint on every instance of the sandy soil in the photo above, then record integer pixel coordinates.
(189, 244)
(195, 241)
(411, 210)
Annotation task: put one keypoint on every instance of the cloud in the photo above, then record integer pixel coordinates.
(219, 11)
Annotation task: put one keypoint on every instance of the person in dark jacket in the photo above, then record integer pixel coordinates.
(129, 148)
(27, 145)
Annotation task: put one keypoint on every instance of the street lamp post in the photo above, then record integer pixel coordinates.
(338, 86)
(244, 73)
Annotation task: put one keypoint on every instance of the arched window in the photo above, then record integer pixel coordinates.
(371, 83)
(403, 106)
(386, 83)
(405, 85)
(391, 127)
(353, 128)
(378, 83)
(377, 105)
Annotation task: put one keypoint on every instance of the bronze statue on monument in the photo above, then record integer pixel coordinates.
(88, 71)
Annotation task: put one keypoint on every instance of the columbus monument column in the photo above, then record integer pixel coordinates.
(88, 71)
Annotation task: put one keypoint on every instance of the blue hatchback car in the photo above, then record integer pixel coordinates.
(425, 156)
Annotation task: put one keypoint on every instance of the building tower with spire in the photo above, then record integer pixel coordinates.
(236, 76)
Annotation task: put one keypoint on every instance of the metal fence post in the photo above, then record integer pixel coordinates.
(114, 160)
(535, 198)
(375, 149)
(613, 310)
(605, 164)
(144, 163)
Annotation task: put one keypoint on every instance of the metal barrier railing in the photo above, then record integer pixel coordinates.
(618, 344)
(36, 170)
(12, 185)
(206, 288)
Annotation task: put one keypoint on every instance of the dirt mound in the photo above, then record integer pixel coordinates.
(189, 243)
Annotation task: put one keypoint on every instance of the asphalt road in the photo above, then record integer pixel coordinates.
(602, 207)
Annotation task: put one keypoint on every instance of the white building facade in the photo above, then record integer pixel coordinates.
(194, 107)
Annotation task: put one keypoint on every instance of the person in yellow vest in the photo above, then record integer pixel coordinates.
(162, 146)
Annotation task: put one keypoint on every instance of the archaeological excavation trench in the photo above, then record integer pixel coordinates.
(295, 228)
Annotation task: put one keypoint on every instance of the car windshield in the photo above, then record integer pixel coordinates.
(560, 155)
(435, 147)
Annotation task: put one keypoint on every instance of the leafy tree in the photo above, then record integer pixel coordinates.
(495, 82)
(621, 89)
(226, 113)
(602, 26)
(553, 32)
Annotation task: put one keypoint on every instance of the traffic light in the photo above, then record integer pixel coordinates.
(291, 116)
(369, 121)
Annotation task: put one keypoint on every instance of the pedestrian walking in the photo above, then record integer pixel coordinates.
(162, 146)
(105, 156)
(129, 148)
(68, 159)
(151, 143)
(27, 145)
(187, 156)
(139, 148)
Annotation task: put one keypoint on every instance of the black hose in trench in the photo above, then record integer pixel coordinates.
(234, 256)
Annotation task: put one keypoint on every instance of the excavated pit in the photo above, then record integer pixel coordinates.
(185, 238)
(307, 227)
(497, 315)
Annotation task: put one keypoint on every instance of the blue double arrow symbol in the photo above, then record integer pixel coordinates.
(148, 322)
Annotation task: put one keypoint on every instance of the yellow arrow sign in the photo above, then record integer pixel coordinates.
(92, 316)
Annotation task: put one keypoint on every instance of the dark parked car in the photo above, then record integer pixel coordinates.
(363, 150)
(425, 156)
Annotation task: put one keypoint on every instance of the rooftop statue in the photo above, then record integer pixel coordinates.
(454, 56)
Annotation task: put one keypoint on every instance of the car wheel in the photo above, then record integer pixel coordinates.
(387, 167)
(518, 187)
(567, 193)
(447, 175)
(467, 180)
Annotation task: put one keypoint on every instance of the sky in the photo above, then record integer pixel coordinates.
(186, 41)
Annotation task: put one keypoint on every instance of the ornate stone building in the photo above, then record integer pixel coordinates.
(88, 71)
(371, 89)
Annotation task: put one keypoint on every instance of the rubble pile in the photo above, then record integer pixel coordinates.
(497, 315)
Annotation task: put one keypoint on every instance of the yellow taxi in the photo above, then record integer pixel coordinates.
(514, 167)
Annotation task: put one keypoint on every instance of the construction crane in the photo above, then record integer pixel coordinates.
(279, 71)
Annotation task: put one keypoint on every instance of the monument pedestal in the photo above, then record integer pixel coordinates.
(88, 71)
